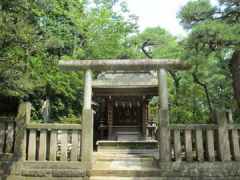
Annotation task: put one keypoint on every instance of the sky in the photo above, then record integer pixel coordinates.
(161, 13)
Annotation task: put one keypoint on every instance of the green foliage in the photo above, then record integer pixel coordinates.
(70, 119)
(214, 33)
(196, 11)
(35, 35)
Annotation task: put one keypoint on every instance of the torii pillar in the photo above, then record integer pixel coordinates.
(87, 119)
(163, 117)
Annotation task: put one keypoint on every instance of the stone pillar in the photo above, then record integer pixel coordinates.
(162, 89)
(223, 137)
(164, 135)
(23, 118)
(163, 117)
(87, 135)
(87, 99)
(87, 120)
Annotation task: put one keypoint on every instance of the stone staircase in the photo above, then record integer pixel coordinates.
(125, 166)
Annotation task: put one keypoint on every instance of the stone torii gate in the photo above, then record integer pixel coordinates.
(160, 65)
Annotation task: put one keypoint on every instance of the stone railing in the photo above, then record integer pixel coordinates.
(203, 142)
(193, 142)
(234, 132)
(40, 149)
(53, 142)
(7, 135)
(12, 132)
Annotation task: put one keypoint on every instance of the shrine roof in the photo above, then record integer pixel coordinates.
(126, 83)
(122, 79)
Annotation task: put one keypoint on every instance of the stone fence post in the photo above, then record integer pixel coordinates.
(223, 137)
(164, 135)
(23, 118)
(87, 135)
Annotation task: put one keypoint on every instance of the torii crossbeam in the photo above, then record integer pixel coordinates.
(125, 65)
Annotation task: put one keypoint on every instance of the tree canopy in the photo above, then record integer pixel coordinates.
(35, 35)
(214, 39)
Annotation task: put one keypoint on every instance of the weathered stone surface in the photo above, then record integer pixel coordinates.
(32, 145)
(53, 145)
(87, 95)
(167, 170)
(68, 173)
(235, 144)
(199, 143)
(162, 89)
(210, 146)
(215, 169)
(164, 135)
(153, 144)
(32, 178)
(61, 178)
(130, 64)
(64, 145)
(42, 145)
(7, 167)
(8, 119)
(56, 165)
(49, 126)
(36, 172)
(233, 126)
(128, 173)
(223, 138)
(87, 136)
(193, 126)
(137, 80)
(10, 138)
(23, 118)
(75, 142)
(12, 177)
(200, 169)
(177, 146)
(6, 157)
(180, 169)
(2, 136)
(188, 145)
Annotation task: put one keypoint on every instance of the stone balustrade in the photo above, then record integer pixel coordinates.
(193, 142)
(53, 142)
(205, 142)
(65, 150)
(7, 130)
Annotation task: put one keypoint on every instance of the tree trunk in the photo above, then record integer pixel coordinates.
(235, 71)
(176, 79)
(205, 87)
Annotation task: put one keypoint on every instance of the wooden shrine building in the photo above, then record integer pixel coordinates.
(126, 112)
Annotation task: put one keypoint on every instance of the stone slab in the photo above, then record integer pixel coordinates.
(127, 136)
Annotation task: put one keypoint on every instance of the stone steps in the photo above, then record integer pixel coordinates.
(125, 166)
(123, 178)
(127, 173)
